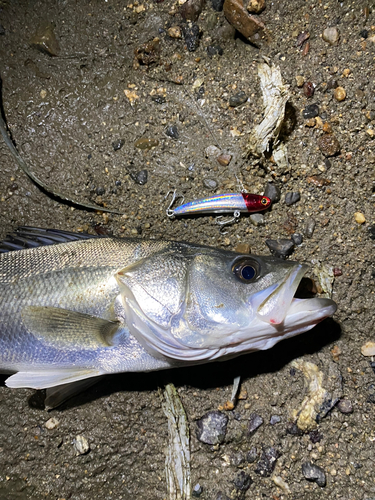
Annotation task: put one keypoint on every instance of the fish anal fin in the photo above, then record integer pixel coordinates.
(57, 395)
(43, 379)
(66, 329)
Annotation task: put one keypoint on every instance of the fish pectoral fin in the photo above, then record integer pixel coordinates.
(64, 329)
(43, 379)
(57, 395)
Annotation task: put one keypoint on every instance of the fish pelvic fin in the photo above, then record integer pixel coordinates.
(43, 379)
(64, 329)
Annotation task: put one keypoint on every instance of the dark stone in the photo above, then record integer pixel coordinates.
(327, 163)
(311, 111)
(191, 36)
(255, 421)
(345, 406)
(197, 490)
(140, 177)
(314, 473)
(191, 9)
(212, 427)
(100, 191)
(280, 248)
(315, 436)
(118, 144)
(237, 99)
(275, 419)
(252, 455)
(292, 197)
(243, 481)
(2, 29)
(297, 238)
(159, 99)
(363, 33)
(308, 89)
(267, 462)
(214, 50)
(332, 84)
(118, 183)
(371, 230)
(272, 192)
(309, 227)
(293, 429)
(172, 132)
(329, 145)
(217, 5)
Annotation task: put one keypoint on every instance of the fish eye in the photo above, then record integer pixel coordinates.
(264, 200)
(246, 270)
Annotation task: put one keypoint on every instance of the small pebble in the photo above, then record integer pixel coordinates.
(345, 406)
(100, 191)
(280, 248)
(297, 238)
(257, 219)
(339, 94)
(159, 99)
(217, 5)
(251, 27)
(256, 6)
(191, 9)
(310, 111)
(237, 458)
(243, 248)
(301, 38)
(81, 445)
(315, 436)
(331, 35)
(197, 490)
(191, 36)
(255, 421)
(308, 89)
(45, 40)
(214, 50)
(145, 143)
(140, 177)
(212, 427)
(267, 462)
(314, 473)
(172, 132)
(174, 32)
(224, 159)
(363, 34)
(252, 455)
(359, 218)
(210, 183)
(311, 122)
(300, 81)
(43, 94)
(52, 423)
(292, 197)
(329, 145)
(272, 192)
(275, 419)
(371, 230)
(346, 72)
(242, 481)
(309, 227)
(212, 151)
(368, 349)
(332, 84)
(293, 429)
(237, 99)
(118, 144)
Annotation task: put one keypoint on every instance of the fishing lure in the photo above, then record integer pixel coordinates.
(221, 203)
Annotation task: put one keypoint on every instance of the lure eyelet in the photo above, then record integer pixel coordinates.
(246, 270)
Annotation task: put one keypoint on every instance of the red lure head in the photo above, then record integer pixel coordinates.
(256, 202)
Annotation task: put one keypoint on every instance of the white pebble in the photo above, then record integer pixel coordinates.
(368, 349)
(52, 423)
(81, 445)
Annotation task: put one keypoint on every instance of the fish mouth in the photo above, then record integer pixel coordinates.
(278, 304)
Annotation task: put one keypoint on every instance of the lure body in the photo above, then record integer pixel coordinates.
(223, 203)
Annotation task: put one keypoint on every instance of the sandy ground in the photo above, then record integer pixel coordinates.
(65, 112)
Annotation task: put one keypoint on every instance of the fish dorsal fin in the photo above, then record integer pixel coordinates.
(31, 237)
(43, 379)
(64, 329)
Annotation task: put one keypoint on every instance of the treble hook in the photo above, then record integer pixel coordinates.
(233, 220)
(170, 211)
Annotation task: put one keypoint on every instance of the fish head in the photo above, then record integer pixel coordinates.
(191, 303)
